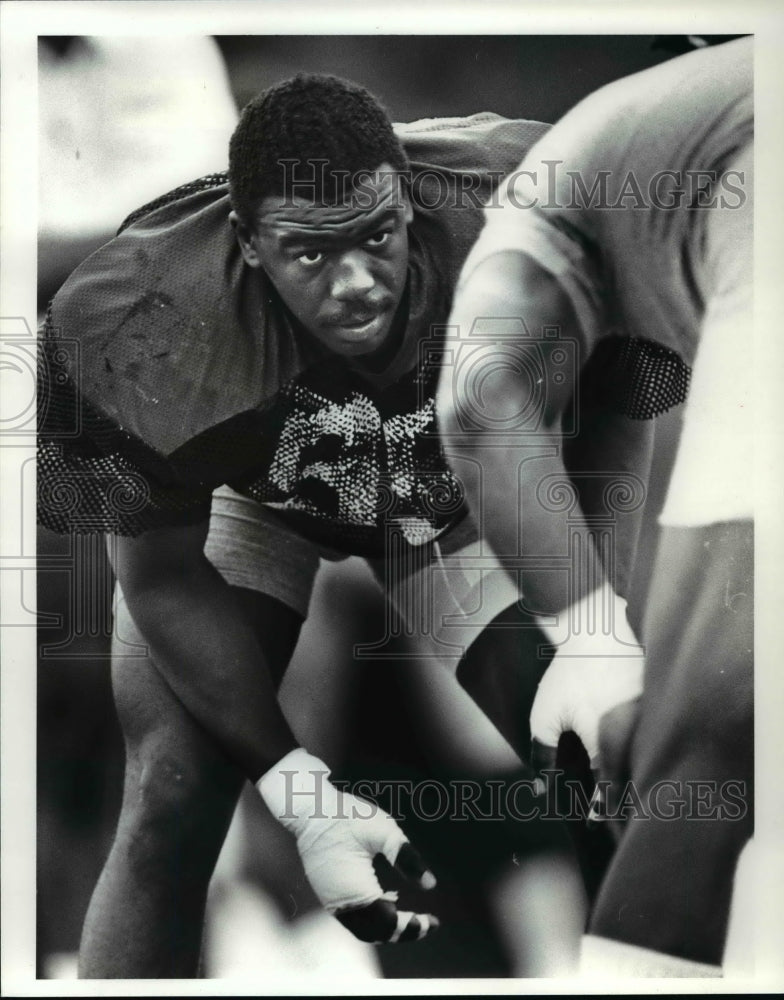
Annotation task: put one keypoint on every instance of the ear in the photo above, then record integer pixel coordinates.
(246, 239)
(409, 216)
(408, 208)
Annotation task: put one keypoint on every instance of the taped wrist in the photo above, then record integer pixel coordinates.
(297, 790)
(591, 624)
(598, 664)
(337, 833)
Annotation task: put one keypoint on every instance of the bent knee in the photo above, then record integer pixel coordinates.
(162, 783)
(174, 812)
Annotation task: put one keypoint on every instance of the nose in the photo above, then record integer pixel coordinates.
(352, 277)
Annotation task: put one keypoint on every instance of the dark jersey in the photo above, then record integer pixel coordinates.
(170, 368)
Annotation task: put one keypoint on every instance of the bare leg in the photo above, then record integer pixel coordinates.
(669, 886)
(145, 918)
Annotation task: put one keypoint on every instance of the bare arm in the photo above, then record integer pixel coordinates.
(517, 497)
(511, 460)
(202, 644)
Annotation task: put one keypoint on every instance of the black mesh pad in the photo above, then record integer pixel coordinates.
(635, 377)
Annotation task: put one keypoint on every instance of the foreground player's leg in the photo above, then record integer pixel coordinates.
(476, 737)
(670, 884)
(501, 671)
(145, 917)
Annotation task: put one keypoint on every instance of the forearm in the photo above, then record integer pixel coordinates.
(531, 516)
(504, 394)
(570, 507)
(211, 658)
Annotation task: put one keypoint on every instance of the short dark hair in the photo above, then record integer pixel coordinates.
(306, 119)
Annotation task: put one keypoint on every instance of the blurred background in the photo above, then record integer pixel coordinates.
(121, 122)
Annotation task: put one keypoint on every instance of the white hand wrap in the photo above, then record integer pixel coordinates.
(337, 833)
(598, 664)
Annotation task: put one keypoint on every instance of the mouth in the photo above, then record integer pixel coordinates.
(362, 325)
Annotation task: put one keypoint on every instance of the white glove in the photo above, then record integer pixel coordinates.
(598, 664)
(338, 835)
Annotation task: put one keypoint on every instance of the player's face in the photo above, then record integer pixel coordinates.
(341, 270)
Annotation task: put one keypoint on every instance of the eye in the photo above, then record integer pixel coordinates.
(377, 239)
(310, 257)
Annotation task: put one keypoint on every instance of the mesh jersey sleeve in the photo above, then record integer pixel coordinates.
(92, 475)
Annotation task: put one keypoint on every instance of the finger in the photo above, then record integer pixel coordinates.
(616, 732)
(413, 926)
(597, 807)
(409, 863)
(543, 759)
(373, 923)
(597, 812)
(381, 922)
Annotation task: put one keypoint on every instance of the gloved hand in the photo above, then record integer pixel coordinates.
(338, 835)
(598, 665)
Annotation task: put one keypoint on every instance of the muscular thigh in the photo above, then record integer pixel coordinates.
(175, 773)
(271, 571)
(148, 710)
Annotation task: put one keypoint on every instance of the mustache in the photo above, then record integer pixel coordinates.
(358, 314)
